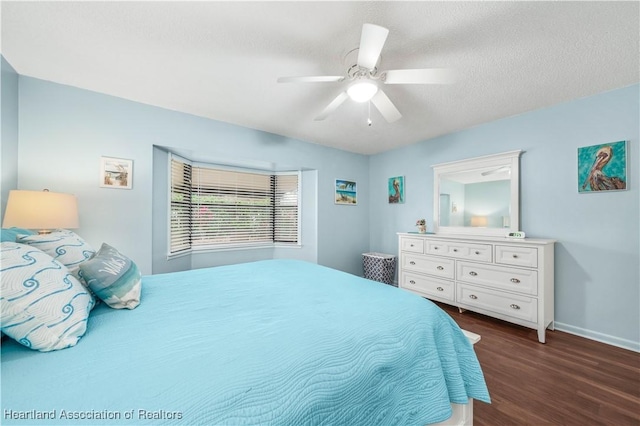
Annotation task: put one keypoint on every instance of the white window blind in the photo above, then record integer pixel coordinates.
(286, 208)
(229, 207)
(180, 219)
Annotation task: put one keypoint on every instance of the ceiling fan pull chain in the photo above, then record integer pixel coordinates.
(369, 117)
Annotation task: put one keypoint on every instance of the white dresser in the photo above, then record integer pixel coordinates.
(509, 279)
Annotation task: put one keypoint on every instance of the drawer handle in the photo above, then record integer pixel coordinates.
(412, 263)
(435, 248)
(473, 274)
(455, 250)
(440, 268)
(477, 252)
(473, 296)
(514, 306)
(515, 256)
(439, 288)
(412, 282)
(411, 245)
(515, 280)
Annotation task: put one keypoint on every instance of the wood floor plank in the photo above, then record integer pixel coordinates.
(567, 381)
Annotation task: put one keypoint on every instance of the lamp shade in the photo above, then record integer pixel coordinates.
(41, 210)
(479, 221)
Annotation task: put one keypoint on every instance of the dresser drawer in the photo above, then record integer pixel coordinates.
(517, 256)
(428, 286)
(415, 245)
(432, 265)
(479, 252)
(513, 279)
(515, 306)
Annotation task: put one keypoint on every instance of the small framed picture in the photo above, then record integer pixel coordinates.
(346, 192)
(602, 167)
(116, 173)
(396, 190)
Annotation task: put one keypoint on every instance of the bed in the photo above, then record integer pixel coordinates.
(278, 342)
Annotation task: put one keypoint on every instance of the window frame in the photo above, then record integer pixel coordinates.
(248, 245)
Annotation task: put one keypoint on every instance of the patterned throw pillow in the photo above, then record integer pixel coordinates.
(113, 277)
(64, 246)
(42, 305)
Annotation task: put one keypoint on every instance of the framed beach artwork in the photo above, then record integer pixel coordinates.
(346, 192)
(116, 173)
(602, 167)
(395, 188)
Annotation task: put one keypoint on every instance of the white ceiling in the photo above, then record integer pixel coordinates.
(221, 59)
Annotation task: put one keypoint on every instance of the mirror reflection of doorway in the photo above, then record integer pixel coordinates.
(445, 209)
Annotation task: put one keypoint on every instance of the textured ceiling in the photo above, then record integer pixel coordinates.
(221, 59)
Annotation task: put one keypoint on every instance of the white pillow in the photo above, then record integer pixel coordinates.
(64, 246)
(42, 305)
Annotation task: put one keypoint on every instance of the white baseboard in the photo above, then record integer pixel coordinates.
(598, 337)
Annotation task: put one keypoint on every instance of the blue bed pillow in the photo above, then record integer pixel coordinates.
(113, 277)
(42, 305)
(11, 234)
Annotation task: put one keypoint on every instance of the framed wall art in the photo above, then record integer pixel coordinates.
(395, 188)
(116, 173)
(602, 167)
(346, 192)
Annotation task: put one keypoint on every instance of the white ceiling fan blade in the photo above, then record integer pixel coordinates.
(311, 79)
(386, 107)
(371, 43)
(421, 76)
(332, 106)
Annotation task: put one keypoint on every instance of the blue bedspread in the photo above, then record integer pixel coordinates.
(277, 342)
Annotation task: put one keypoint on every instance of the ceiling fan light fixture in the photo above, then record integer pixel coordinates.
(362, 91)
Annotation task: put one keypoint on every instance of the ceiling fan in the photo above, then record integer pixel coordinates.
(365, 80)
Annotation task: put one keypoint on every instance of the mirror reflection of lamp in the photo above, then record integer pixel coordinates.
(42, 210)
(479, 221)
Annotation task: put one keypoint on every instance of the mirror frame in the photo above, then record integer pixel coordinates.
(512, 159)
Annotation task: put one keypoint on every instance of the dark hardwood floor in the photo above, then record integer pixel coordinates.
(567, 381)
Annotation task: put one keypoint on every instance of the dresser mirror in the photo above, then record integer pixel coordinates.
(478, 196)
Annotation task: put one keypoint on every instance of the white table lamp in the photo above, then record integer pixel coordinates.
(41, 210)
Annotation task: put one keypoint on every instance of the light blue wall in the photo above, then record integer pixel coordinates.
(597, 275)
(9, 132)
(64, 131)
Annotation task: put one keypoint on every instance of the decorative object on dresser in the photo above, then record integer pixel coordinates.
(422, 226)
(509, 279)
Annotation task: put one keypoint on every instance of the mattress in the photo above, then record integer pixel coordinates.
(278, 342)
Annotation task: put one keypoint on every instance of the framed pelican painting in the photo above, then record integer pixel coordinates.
(396, 190)
(602, 167)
